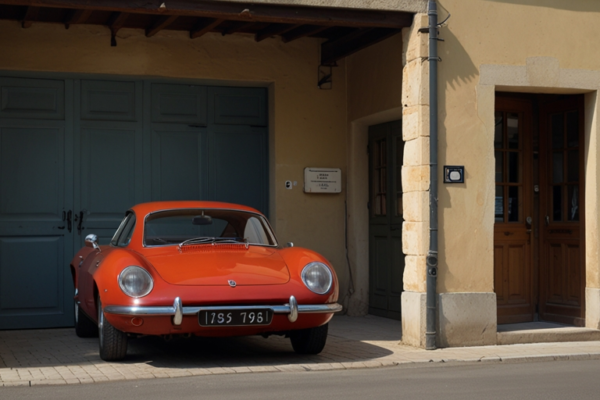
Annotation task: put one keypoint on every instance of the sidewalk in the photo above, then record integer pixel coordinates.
(57, 356)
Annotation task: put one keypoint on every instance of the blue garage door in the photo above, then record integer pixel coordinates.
(76, 153)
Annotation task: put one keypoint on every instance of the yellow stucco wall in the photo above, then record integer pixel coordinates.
(307, 125)
(507, 33)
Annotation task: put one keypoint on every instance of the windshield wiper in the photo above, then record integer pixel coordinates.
(208, 239)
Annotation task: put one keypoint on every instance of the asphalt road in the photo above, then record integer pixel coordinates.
(573, 380)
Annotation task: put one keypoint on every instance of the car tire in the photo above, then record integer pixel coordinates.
(113, 342)
(309, 341)
(84, 326)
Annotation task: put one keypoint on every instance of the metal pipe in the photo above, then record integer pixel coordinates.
(432, 254)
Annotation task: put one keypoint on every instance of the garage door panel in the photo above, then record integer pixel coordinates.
(108, 181)
(238, 166)
(110, 100)
(32, 98)
(31, 275)
(31, 172)
(179, 103)
(178, 163)
(238, 106)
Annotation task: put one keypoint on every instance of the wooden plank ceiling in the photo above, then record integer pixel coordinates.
(345, 31)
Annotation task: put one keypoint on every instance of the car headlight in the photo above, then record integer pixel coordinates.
(135, 281)
(317, 277)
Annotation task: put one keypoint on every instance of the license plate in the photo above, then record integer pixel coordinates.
(258, 316)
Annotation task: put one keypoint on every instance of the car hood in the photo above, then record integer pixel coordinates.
(208, 265)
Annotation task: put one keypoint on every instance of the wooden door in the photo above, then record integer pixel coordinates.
(36, 240)
(513, 212)
(562, 258)
(386, 260)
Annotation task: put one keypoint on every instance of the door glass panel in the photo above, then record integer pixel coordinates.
(512, 130)
(514, 203)
(499, 166)
(572, 129)
(557, 203)
(557, 167)
(558, 128)
(499, 204)
(499, 128)
(573, 193)
(573, 166)
(513, 167)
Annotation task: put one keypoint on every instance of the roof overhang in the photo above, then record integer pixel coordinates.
(344, 30)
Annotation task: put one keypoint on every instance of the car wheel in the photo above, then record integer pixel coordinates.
(113, 342)
(309, 341)
(84, 326)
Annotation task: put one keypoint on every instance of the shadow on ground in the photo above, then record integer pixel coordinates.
(351, 339)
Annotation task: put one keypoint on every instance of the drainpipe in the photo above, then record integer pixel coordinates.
(432, 254)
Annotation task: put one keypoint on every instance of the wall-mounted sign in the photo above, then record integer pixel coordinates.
(454, 174)
(322, 180)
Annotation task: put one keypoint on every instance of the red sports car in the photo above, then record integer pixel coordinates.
(204, 269)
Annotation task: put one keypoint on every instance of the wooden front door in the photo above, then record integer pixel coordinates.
(539, 258)
(386, 260)
(513, 211)
(562, 261)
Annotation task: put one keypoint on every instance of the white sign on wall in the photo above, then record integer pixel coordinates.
(322, 180)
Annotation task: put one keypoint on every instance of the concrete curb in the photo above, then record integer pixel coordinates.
(335, 366)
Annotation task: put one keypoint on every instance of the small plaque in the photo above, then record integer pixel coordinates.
(322, 180)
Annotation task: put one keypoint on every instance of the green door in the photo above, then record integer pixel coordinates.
(386, 260)
(76, 153)
(35, 195)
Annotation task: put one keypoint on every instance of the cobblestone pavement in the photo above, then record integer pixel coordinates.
(58, 357)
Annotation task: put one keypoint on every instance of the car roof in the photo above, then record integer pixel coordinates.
(145, 208)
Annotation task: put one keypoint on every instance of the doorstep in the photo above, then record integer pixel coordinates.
(544, 332)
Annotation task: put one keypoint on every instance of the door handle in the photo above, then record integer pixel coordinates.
(528, 224)
(64, 216)
(80, 222)
(547, 220)
(69, 223)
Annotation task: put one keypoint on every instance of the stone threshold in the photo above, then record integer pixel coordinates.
(544, 332)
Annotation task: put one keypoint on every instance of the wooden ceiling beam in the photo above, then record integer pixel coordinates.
(226, 10)
(302, 31)
(334, 50)
(238, 27)
(204, 26)
(30, 16)
(116, 21)
(274, 30)
(77, 17)
(160, 24)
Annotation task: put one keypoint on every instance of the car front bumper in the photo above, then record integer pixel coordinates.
(177, 311)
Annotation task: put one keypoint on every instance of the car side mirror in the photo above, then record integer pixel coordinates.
(91, 240)
(288, 244)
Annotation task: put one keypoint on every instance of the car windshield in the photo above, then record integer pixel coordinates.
(195, 226)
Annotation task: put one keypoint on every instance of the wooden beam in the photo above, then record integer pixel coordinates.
(302, 31)
(238, 27)
(204, 26)
(30, 16)
(274, 30)
(160, 24)
(77, 17)
(116, 21)
(227, 10)
(334, 50)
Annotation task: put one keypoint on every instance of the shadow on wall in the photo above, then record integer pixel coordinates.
(590, 5)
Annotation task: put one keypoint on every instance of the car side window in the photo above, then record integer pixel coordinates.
(123, 234)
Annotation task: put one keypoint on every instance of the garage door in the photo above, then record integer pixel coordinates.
(76, 153)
